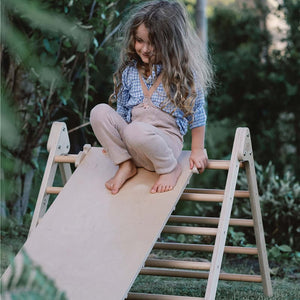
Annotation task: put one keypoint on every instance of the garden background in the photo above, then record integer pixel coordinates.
(57, 60)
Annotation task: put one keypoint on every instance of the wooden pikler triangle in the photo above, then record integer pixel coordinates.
(94, 244)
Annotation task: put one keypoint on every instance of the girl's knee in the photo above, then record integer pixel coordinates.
(99, 112)
(136, 133)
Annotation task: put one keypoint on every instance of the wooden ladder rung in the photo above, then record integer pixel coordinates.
(141, 296)
(237, 193)
(71, 158)
(220, 164)
(190, 230)
(201, 197)
(53, 190)
(210, 221)
(199, 274)
(204, 248)
(177, 264)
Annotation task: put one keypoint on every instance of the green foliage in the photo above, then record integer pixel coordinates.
(23, 47)
(257, 87)
(280, 201)
(10, 228)
(9, 139)
(29, 283)
(56, 55)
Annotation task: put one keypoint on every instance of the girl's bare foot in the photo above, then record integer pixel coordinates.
(127, 169)
(166, 182)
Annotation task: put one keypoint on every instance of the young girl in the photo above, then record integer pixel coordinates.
(159, 90)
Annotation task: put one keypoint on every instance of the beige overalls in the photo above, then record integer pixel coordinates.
(152, 139)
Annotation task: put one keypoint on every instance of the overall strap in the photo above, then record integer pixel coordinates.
(148, 93)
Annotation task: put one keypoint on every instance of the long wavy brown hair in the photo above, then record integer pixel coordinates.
(177, 48)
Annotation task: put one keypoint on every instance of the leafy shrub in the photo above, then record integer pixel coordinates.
(280, 203)
(29, 283)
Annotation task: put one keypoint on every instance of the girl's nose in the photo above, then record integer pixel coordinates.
(146, 48)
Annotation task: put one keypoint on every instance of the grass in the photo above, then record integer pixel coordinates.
(285, 286)
(283, 289)
(12, 239)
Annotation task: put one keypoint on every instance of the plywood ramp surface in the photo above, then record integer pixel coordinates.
(93, 244)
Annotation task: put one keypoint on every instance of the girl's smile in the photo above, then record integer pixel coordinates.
(143, 46)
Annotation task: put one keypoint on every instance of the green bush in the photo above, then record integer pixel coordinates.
(256, 86)
(280, 203)
(29, 283)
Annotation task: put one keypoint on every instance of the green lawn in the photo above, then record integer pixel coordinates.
(285, 288)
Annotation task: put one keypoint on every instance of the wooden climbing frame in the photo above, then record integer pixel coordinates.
(241, 158)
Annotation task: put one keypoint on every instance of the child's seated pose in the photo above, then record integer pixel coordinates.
(159, 89)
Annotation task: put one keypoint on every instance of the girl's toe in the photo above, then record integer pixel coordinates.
(154, 189)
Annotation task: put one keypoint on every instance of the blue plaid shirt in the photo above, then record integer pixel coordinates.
(131, 94)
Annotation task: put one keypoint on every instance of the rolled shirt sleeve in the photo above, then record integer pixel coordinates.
(123, 96)
(199, 117)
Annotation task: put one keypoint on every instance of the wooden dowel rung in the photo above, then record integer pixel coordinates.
(201, 197)
(220, 164)
(210, 221)
(53, 190)
(141, 296)
(241, 222)
(190, 230)
(177, 264)
(199, 274)
(205, 248)
(71, 158)
(237, 194)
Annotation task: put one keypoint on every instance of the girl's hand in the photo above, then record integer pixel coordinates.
(198, 159)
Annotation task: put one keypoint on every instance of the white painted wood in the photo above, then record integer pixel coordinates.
(257, 217)
(58, 144)
(81, 155)
(217, 257)
(92, 243)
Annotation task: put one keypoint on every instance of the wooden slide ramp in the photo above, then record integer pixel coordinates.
(92, 243)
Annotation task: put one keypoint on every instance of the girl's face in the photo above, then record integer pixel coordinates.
(143, 46)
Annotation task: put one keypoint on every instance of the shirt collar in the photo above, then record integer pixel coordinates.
(153, 76)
